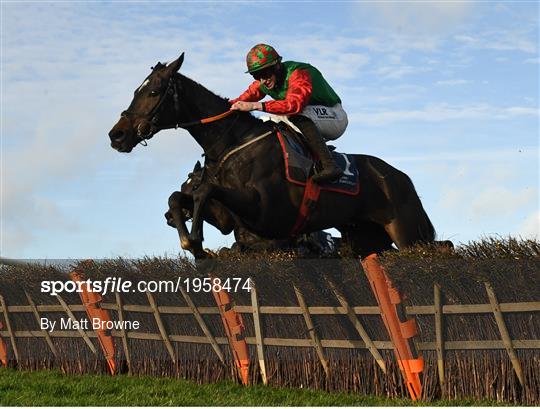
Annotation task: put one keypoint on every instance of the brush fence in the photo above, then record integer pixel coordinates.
(322, 338)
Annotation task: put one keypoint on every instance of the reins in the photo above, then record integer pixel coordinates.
(207, 120)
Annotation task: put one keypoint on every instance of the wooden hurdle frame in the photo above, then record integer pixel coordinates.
(354, 313)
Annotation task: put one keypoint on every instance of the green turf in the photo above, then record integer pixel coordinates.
(51, 388)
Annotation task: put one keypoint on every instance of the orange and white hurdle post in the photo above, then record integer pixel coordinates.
(400, 329)
(91, 301)
(234, 328)
(3, 349)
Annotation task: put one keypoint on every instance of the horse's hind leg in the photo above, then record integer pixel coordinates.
(410, 225)
(408, 222)
(366, 238)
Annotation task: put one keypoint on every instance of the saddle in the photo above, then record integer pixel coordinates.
(300, 164)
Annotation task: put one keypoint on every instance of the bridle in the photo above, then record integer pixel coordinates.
(152, 117)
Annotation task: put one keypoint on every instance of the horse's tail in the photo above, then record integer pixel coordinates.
(425, 227)
(399, 189)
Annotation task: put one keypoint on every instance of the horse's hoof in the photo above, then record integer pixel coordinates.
(185, 244)
(445, 244)
(201, 255)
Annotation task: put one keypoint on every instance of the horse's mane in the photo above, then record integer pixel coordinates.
(217, 103)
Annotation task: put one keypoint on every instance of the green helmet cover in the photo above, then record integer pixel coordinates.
(261, 56)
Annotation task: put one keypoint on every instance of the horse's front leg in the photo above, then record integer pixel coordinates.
(176, 217)
(200, 197)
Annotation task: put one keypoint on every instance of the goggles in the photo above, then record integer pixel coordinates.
(265, 73)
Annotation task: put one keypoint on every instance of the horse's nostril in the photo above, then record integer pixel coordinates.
(116, 134)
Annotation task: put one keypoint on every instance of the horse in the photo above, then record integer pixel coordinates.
(244, 171)
(181, 203)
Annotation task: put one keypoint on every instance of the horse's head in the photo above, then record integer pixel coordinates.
(152, 109)
(195, 178)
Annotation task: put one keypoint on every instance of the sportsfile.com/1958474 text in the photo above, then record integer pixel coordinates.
(121, 285)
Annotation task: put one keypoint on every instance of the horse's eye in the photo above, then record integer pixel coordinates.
(154, 92)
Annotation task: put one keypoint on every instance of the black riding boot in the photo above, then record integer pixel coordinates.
(330, 170)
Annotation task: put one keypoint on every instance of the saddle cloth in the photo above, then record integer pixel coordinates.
(299, 164)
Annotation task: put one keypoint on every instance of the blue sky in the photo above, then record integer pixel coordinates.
(445, 91)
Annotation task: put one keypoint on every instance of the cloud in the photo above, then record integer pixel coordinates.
(396, 72)
(418, 17)
(500, 201)
(530, 228)
(357, 97)
(526, 153)
(500, 40)
(443, 112)
(333, 56)
(389, 42)
(453, 82)
(61, 150)
(532, 60)
(477, 197)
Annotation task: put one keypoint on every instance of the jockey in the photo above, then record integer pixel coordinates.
(302, 95)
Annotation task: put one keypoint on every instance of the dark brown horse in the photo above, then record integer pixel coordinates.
(250, 181)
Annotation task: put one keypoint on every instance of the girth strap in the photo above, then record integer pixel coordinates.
(312, 192)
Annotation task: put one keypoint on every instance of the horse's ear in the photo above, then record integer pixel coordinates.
(176, 64)
(197, 167)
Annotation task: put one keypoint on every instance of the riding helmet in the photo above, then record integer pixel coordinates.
(260, 57)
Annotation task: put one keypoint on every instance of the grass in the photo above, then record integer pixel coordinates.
(52, 388)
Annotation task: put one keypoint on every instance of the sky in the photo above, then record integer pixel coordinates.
(445, 91)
